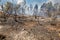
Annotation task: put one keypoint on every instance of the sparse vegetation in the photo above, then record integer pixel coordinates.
(15, 24)
(25, 29)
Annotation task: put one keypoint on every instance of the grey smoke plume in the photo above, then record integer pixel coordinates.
(55, 1)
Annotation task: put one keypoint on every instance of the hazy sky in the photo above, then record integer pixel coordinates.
(39, 2)
(28, 1)
(33, 2)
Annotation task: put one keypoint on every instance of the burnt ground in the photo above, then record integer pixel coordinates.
(28, 28)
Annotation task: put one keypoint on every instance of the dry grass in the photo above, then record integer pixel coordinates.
(28, 28)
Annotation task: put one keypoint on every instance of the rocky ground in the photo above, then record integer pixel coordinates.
(28, 28)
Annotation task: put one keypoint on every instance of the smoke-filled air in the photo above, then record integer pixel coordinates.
(29, 19)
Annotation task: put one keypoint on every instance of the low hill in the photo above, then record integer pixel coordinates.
(14, 27)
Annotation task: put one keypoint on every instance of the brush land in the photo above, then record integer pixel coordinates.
(14, 27)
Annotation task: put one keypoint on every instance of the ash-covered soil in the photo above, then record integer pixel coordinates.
(28, 28)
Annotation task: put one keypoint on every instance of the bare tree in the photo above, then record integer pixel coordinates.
(16, 9)
(35, 11)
